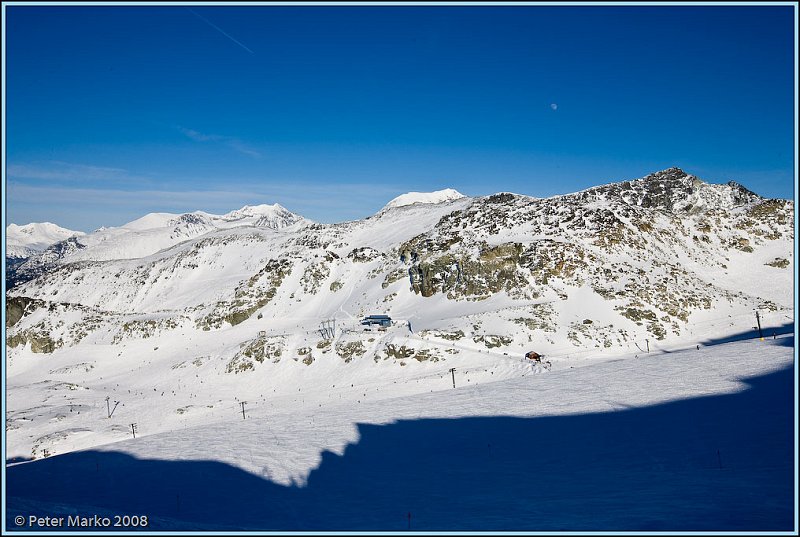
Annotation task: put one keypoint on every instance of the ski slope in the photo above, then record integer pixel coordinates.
(692, 440)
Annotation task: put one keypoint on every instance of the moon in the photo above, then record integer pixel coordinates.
(554, 106)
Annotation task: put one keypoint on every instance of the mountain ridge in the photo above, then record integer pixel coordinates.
(147, 235)
(505, 242)
(472, 283)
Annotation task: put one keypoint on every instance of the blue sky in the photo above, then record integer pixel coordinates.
(117, 111)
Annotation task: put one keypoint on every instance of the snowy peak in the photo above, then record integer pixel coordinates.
(273, 216)
(149, 221)
(197, 220)
(674, 190)
(27, 240)
(249, 211)
(410, 198)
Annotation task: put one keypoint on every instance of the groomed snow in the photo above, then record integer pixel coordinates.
(695, 440)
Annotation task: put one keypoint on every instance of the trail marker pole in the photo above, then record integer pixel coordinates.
(116, 404)
(453, 372)
(758, 322)
(108, 406)
(243, 415)
(133, 429)
(648, 345)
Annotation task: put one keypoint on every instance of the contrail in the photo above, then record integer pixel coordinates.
(220, 30)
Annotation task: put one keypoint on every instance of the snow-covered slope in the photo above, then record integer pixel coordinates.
(30, 239)
(225, 305)
(691, 441)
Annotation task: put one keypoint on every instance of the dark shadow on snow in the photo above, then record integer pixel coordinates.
(15, 460)
(716, 463)
(784, 342)
(767, 333)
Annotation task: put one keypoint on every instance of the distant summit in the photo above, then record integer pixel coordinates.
(274, 216)
(439, 196)
(139, 238)
(25, 241)
(248, 211)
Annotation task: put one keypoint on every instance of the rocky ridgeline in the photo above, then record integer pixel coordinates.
(672, 190)
(635, 244)
(627, 241)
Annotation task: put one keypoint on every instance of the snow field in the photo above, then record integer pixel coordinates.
(662, 442)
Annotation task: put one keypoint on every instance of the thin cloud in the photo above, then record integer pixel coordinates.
(236, 145)
(325, 203)
(229, 141)
(63, 170)
(56, 170)
(198, 136)
(220, 30)
(152, 200)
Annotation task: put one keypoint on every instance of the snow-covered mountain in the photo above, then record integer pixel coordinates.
(259, 307)
(30, 239)
(438, 196)
(149, 234)
(271, 216)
